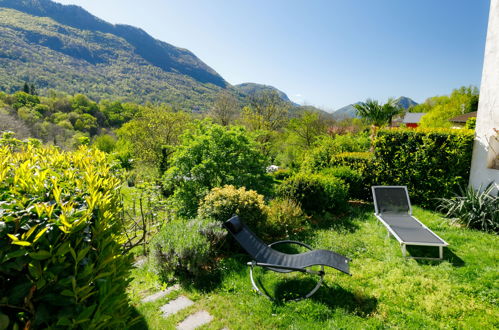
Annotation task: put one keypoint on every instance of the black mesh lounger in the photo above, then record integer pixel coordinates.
(393, 209)
(265, 256)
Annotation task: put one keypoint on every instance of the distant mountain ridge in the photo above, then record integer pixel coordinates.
(65, 48)
(156, 52)
(349, 111)
(253, 88)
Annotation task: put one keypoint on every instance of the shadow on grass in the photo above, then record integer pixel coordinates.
(138, 321)
(331, 296)
(212, 278)
(432, 252)
(343, 220)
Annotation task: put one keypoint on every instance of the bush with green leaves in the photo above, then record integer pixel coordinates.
(328, 147)
(316, 193)
(281, 174)
(213, 156)
(186, 249)
(285, 219)
(61, 265)
(224, 202)
(432, 163)
(474, 208)
(357, 189)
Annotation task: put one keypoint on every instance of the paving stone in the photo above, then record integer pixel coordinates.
(195, 320)
(176, 305)
(160, 294)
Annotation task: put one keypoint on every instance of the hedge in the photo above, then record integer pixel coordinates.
(316, 193)
(60, 262)
(432, 163)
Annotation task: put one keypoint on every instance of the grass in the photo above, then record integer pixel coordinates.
(385, 290)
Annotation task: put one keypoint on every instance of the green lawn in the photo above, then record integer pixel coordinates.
(385, 290)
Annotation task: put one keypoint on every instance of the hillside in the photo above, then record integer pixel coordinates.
(349, 111)
(66, 48)
(253, 88)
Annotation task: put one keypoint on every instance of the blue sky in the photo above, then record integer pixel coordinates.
(327, 53)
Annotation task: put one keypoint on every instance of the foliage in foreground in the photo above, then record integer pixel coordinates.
(60, 262)
(478, 209)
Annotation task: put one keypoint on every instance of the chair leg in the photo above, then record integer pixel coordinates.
(308, 295)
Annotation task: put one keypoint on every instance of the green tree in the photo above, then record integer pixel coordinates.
(106, 143)
(26, 88)
(22, 99)
(266, 111)
(118, 113)
(306, 128)
(442, 108)
(213, 156)
(32, 89)
(151, 130)
(225, 109)
(82, 104)
(86, 123)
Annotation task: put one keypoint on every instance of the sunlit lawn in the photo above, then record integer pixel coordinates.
(385, 290)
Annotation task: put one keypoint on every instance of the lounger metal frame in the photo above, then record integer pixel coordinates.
(320, 273)
(403, 244)
(281, 268)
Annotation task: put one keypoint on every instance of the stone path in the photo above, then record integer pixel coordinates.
(191, 322)
(195, 320)
(176, 305)
(160, 294)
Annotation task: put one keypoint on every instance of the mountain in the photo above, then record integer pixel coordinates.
(349, 111)
(66, 48)
(248, 89)
(405, 102)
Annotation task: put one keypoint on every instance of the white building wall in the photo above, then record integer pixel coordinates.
(486, 144)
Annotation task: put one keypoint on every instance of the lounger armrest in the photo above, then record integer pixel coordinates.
(291, 242)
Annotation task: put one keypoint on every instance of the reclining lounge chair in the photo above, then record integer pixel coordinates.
(265, 256)
(393, 208)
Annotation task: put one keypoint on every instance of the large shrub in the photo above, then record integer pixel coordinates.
(432, 163)
(362, 164)
(60, 262)
(356, 187)
(285, 219)
(213, 156)
(478, 209)
(316, 193)
(222, 203)
(186, 249)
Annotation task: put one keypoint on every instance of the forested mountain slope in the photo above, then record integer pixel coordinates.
(66, 48)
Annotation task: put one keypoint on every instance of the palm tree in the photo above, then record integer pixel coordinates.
(377, 114)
